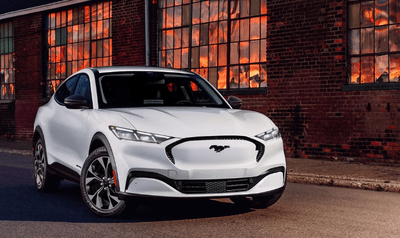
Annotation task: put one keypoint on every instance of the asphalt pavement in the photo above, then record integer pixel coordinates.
(348, 174)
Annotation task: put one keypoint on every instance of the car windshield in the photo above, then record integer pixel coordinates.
(144, 89)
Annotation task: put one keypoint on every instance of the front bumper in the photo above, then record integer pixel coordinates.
(149, 184)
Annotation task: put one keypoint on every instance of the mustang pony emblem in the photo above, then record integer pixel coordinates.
(219, 148)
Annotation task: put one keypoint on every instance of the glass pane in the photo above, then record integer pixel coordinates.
(100, 49)
(254, 51)
(186, 15)
(263, 7)
(195, 57)
(213, 55)
(263, 50)
(394, 37)
(196, 13)
(367, 69)
(170, 59)
(170, 39)
(214, 10)
(234, 9)
(244, 76)
(162, 15)
(203, 56)
(255, 76)
(354, 42)
(394, 11)
(170, 17)
(177, 38)
(354, 15)
(244, 8)
(244, 30)
(381, 12)
(222, 55)
(204, 34)
(254, 7)
(235, 31)
(222, 77)
(223, 32)
(185, 58)
(178, 16)
(177, 58)
(223, 9)
(367, 40)
(244, 52)
(367, 17)
(185, 37)
(381, 69)
(234, 77)
(263, 75)
(213, 33)
(234, 53)
(255, 28)
(381, 39)
(395, 68)
(196, 35)
(205, 12)
(213, 76)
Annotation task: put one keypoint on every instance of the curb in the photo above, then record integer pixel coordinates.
(18, 152)
(345, 182)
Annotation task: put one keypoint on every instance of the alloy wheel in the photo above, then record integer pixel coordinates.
(100, 185)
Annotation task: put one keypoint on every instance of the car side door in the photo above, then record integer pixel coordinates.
(69, 134)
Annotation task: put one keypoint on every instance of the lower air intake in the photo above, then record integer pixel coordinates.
(213, 186)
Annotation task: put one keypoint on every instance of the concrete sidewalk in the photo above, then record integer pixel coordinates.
(319, 172)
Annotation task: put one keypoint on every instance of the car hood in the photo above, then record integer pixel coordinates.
(195, 121)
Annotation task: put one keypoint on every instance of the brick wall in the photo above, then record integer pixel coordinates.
(306, 70)
(28, 44)
(7, 120)
(128, 32)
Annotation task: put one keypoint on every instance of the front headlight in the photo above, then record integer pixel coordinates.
(269, 135)
(134, 135)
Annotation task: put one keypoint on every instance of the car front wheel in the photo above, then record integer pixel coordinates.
(98, 186)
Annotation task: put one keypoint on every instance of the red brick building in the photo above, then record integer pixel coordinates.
(325, 71)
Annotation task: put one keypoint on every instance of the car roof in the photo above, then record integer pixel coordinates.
(124, 69)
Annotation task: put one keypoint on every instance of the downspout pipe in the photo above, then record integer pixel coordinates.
(147, 30)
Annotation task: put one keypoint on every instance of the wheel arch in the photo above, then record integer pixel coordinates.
(99, 140)
(38, 133)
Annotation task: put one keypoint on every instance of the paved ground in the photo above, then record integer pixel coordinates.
(320, 172)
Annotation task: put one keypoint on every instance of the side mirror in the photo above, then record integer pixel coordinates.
(76, 102)
(235, 102)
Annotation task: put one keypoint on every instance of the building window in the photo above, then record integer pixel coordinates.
(77, 39)
(7, 76)
(225, 41)
(374, 41)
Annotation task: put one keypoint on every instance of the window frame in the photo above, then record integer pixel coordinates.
(72, 39)
(7, 67)
(374, 82)
(259, 40)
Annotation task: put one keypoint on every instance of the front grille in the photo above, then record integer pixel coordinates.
(213, 186)
(259, 146)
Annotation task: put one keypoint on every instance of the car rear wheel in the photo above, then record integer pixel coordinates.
(44, 181)
(98, 186)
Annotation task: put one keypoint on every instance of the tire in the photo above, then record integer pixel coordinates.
(256, 202)
(97, 185)
(45, 182)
